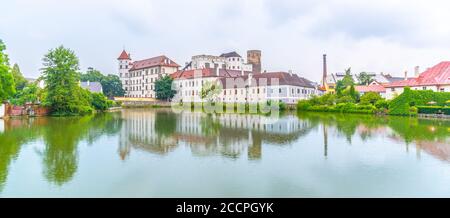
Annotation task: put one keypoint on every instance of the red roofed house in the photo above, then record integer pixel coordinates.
(138, 77)
(436, 78)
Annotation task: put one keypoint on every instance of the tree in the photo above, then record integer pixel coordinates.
(163, 88)
(64, 94)
(370, 98)
(19, 80)
(345, 82)
(29, 94)
(7, 86)
(112, 86)
(92, 75)
(364, 78)
(210, 91)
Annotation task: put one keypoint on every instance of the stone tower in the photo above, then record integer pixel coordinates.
(254, 58)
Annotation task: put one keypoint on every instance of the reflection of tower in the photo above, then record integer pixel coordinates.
(325, 141)
(254, 58)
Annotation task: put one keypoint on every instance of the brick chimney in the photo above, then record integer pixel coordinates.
(324, 76)
(406, 74)
(416, 71)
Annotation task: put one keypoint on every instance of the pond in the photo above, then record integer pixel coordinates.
(159, 153)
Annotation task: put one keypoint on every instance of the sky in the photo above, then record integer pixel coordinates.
(388, 36)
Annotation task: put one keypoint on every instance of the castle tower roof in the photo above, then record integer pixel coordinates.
(124, 56)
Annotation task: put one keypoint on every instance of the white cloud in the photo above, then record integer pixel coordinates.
(378, 36)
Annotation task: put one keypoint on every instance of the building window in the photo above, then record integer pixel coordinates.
(393, 89)
(442, 89)
(279, 90)
(206, 65)
(424, 88)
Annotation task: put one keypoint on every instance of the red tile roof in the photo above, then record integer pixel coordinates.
(437, 75)
(153, 62)
(124, 56)
(371, 88)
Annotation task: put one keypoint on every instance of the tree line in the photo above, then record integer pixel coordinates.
(62, 91)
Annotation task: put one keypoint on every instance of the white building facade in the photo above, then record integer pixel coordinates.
(138, 77)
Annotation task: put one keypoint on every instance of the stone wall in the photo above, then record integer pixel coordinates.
(27, 110)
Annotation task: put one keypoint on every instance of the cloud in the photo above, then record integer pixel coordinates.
(386, 35)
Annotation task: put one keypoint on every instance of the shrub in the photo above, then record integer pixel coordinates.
(409, 98)
(303, 105)
(382, 104)
(370, 98)
(345, 99)
(433, 110)
(100, 102)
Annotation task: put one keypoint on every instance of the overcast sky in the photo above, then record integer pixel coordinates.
(377, 36)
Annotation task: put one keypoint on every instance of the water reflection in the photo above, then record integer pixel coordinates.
(228, 135)
(430, 135)
(231, 136)
(60, 137)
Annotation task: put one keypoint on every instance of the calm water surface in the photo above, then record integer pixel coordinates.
(157, 153)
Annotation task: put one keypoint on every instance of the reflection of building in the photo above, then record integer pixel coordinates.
(229, 135)
(139, 131)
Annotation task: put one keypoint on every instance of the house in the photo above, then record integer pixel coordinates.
(138, 77)
(436, 78)
(94, 87)
(243, 86)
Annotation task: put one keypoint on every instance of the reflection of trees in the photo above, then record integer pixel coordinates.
(165, 123)
(61, 138)
(18, 132)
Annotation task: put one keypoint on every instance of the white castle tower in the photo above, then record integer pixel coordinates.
(124, 61)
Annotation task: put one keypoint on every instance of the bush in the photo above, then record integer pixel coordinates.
(409, 98)
(433, 110)
(370, 98)
(345, 99)
(100, 102)
(303, 105)
(382, 104)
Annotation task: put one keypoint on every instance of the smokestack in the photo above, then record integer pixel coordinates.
(406, 75)
(416, 71)
(290, 72)
(324, 76)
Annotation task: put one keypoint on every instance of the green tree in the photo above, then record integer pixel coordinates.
(19, 80)
(64, 94)
(112, 86)
(163, 88)
(364, 78)
(92, 75)
(370, 98)
(29, 94)
(7, 86)
(345, 82)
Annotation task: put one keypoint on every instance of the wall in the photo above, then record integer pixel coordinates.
(2, 110)
(32, 110)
